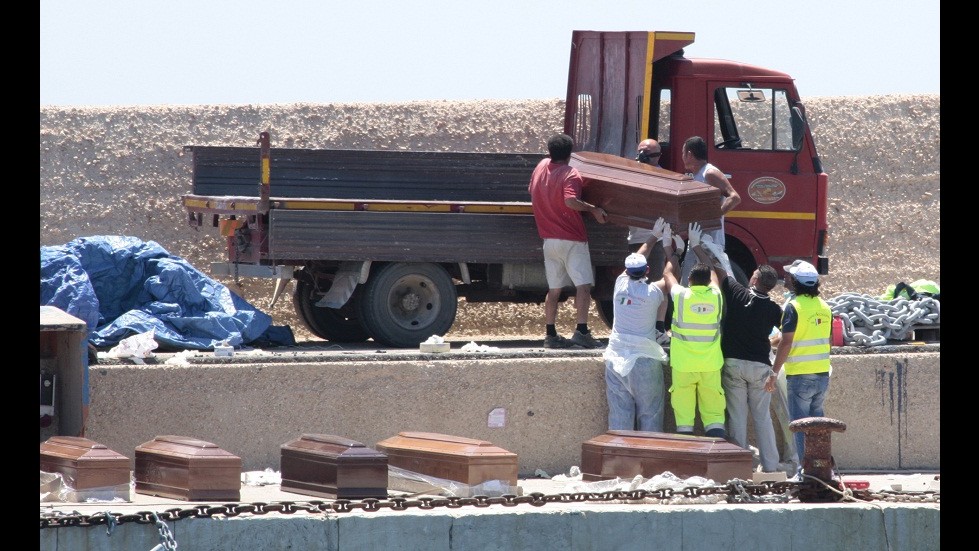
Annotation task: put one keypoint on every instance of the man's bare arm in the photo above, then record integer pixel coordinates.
(577, 204)
(717, 179)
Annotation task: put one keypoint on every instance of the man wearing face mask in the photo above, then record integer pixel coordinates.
(649, 152)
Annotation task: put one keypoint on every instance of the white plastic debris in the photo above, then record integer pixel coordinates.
(574, 473)
(261, 478)
(180, 358)
(434, 343)
(136, 347)
(224, 349)
(473, 347)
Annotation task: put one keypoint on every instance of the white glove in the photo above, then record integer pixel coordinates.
(707, 242)
(717, 252)
(658, 227)
(678, 244)
(666, 233)
(694, 233)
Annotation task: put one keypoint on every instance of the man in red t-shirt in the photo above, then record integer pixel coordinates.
(555, 192)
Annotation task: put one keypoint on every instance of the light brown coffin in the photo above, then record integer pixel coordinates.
(83, 463)
(636, 194)
(332, 466)
(455, 458)
(180, 467)
(626, 453)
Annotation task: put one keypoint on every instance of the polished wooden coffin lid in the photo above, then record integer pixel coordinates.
(326, 465)
(465, 460)
(185, 447)
(636, 194)
(626, 453)
(433, 442)
(328, 445)
(84, 463)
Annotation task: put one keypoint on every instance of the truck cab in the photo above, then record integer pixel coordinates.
(624, 87)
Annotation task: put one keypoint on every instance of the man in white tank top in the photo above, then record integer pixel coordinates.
(694, 158)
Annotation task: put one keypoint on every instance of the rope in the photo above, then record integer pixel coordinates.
(869, 321)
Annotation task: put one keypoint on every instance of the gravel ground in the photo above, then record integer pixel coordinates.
(121, 170)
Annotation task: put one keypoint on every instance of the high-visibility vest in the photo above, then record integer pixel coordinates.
(696, 342)
(810, 344)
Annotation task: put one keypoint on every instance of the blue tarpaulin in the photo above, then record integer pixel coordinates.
(122, 286)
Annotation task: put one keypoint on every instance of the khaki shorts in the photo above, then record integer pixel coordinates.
(567, 263)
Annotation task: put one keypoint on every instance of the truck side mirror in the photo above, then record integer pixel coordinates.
(798, 126)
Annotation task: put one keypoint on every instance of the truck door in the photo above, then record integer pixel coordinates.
(772, 164)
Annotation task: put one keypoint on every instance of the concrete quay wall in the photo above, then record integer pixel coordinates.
(826, 527)
(547, 405)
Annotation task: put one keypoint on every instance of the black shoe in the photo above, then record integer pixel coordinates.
(585, 340)
(557, 341)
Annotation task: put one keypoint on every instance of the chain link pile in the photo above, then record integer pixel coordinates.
(869, 321)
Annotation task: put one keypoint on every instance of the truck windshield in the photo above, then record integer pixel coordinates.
(752, 118)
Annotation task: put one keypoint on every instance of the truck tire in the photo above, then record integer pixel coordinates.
(605, 311)
(406, 303)
(334, 325)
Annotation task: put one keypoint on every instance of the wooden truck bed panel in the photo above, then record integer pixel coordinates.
(356, 174)
(424, 237)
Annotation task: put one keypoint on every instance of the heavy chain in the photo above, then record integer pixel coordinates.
(868, 321)
(737, 491)
(167, 543)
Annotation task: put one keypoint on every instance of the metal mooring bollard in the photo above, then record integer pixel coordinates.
(818, 460)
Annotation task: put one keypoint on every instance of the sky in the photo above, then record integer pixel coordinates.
(204, 52)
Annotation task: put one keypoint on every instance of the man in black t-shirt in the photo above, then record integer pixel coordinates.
(748, 321)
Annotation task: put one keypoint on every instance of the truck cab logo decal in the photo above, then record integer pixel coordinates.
(766, 190)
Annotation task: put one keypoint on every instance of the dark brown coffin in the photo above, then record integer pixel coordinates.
(626, 453)
(455, 458)
(83, 463)
(332, 466)
(180, 467)
(635, 194)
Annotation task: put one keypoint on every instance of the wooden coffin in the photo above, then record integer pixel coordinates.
(332, 466)
(83, 463)
(464, 460)
(180, 467)
(626, 453)
(636, 194)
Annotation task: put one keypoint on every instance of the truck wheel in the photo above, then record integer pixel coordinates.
(405, 304)
(739, 274)
(331, 324)
(605, 311)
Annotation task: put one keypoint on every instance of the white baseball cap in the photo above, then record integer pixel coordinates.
(635, 264)
(803, 272)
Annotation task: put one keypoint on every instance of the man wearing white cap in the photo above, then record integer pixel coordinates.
(804, 347)
(634, 384)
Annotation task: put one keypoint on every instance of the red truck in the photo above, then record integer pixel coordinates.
(383, 243)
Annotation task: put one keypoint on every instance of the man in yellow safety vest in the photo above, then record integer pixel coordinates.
(804, 348)
(696, 358)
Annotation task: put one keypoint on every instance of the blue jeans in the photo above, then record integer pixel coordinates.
(806, 395)
(639, 396)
